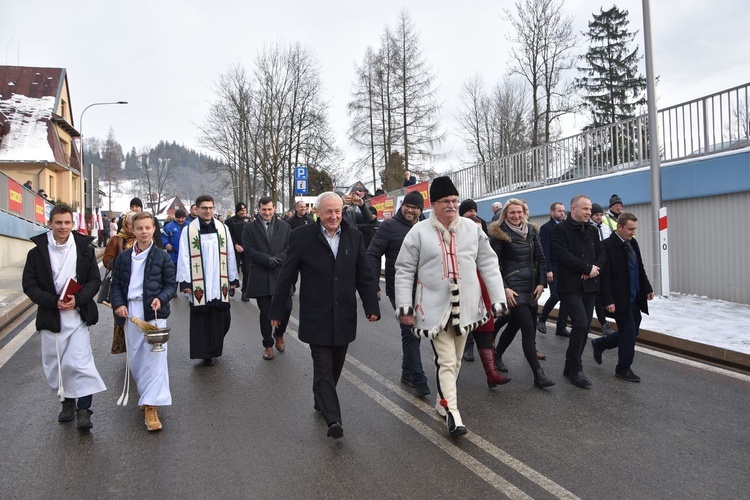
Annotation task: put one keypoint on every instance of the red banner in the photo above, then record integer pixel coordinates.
(39, 214)
(15, 196)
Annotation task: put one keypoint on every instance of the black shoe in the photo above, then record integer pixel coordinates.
(231, 292)
(597, 352)
(453, 429)
(245, 299)
(499, 365)
(68, 411)
(541, 380)
(541, 326)
(422, 390)
(335, 431)
(469, 355)
(563, 333)
(406, 380)
(83, 419)
(566, 372)
(580, 380)
(607, 330)
(208, 361)
(628, 375)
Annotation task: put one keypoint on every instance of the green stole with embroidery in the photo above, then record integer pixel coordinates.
(196, 262)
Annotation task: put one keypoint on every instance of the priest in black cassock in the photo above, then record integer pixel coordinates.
(207, 270)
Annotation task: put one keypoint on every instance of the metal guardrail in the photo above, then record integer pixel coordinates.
(704, 126)
(22, 202)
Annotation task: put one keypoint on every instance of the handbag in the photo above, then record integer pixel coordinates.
(105, 288)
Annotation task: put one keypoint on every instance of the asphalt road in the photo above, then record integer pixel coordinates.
(245, 428)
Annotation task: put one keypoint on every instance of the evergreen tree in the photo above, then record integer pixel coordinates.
(613, 88)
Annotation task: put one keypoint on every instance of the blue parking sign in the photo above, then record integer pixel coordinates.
(300, 173)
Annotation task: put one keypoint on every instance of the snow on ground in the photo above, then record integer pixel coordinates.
(699, 319)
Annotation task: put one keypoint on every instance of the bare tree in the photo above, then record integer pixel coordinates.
(157, 174)
(544, 39)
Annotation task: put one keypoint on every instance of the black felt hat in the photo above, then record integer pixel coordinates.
(465, 206)
(442, 187)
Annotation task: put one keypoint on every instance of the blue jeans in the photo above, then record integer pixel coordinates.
(623, 339)
(411, 361)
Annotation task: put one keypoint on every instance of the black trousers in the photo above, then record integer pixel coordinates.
(328, 361)
(266, 330)
(521, 317)
(562, 313)
(243, 268)
(580, 307)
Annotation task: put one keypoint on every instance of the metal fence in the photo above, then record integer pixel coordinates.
(710, 124)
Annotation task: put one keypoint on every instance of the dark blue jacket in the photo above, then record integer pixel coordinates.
(171, 235)
(158, 282)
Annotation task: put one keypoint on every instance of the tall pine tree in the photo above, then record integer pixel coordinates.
(612, 86)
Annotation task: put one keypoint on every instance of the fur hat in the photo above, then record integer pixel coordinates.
(442, 187)
(596, 209)
(239, 206)
(179, 213)
(614, 200)
(465, 206)
(137, 202)
(414, 198)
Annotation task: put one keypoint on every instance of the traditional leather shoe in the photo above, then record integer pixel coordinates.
(422, 390)
(453, 429)
(541, 356)
(541, 326)
(563, 333)
(280, 344)
(335, 431)
(208, 361)
(68, 411)
(628, 375)
(597, 352)
(268, 354)
(580, 380)
(152, 418)
(83, 419)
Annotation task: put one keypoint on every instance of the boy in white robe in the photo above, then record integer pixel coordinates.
(67, 358)
(143, 282)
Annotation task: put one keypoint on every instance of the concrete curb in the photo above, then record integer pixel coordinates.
(683, 347)
(13, 310)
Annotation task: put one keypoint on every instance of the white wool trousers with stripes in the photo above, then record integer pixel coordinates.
(448, 349)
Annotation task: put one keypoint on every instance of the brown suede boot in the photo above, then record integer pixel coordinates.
(488, 362)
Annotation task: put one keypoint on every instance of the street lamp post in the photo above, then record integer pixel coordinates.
(83, 162)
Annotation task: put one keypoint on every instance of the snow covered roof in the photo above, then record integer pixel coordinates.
(28, 99)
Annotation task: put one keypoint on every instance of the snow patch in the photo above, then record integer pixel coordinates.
(27, 137)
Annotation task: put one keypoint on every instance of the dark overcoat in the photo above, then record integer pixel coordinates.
(545, 237)
(37, 282)
(266, 251)
(329, 285)
(387, 241)
(615, 279)
(158, 282)
(576, 247)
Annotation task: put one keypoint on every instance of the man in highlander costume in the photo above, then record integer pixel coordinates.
(68, 362)
(444, 254)
(207, 271)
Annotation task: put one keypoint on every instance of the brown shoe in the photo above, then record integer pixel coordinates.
(539, 355)
(280, 344)
(152, 418)
(268, 354)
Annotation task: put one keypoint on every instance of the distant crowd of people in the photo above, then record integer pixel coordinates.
(449, 277)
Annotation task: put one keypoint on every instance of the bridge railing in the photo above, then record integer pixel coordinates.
(704, 126)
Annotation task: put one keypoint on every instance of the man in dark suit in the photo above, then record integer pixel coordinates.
(625, 292)
(236, 225)
(580, 257)
(331, 260)
(265, 242)
(556, 215)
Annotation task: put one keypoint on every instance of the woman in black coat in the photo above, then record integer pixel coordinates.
(522, 265)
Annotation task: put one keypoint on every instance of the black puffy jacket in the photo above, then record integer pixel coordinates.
(38, 284)
(158, 282)
(387, 241)
(521, 261)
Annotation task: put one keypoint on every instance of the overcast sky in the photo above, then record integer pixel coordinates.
(163, 56)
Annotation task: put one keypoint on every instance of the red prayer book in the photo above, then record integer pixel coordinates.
(71, 287)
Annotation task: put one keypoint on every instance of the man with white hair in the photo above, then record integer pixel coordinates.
(330, 258)
(497, 207)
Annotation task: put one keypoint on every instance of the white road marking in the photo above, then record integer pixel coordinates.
(442, 442)
(16, 343)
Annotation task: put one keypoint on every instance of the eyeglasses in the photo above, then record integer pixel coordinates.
(205, 208)
(411, 207)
